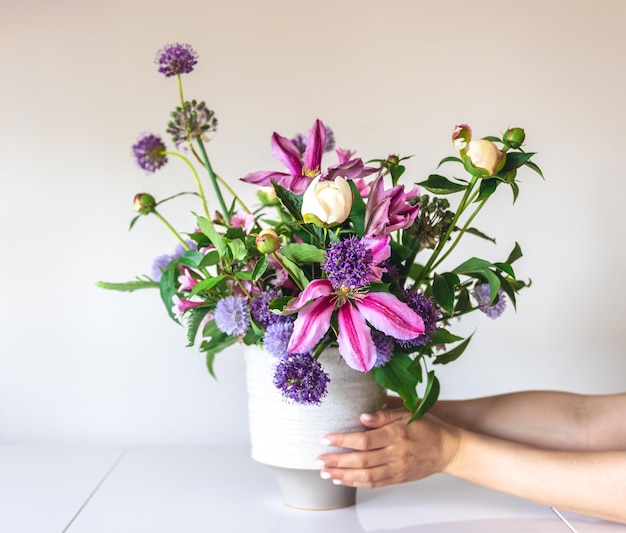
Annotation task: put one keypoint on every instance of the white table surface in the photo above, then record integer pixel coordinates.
(221, 490)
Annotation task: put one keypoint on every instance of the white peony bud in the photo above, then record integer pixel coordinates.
(484, 154)
(328, 201)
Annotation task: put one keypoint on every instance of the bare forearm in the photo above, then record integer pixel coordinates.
(549, 419)
(590, 483)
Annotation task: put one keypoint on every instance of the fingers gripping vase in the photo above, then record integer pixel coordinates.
(287, 437)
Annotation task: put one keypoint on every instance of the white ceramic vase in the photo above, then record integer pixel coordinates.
(287, 437)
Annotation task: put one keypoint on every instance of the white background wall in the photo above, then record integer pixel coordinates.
(83, 365)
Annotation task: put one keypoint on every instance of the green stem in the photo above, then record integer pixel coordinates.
(180, 90)
(442, 243)
(169, 226)
(233, 194)
(196, 178)
(213, 178)
(461, 233)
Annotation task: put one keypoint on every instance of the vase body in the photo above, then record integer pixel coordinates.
(287, 436)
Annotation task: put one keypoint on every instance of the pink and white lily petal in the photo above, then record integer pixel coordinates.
(318, 288)
(391, 316)
(287, 153)
(264, 177)
(311, 325)
(350, 170)
(354, 338)
(315, 143)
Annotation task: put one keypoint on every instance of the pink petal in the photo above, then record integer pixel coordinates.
(287, 153)
(391, 316)
(354, 339)
(352, 169)
(318, 288)
(315, 142)
(379, 246)
(312, 323)
(264, 177)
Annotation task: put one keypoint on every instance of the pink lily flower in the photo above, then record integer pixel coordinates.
(355, 308)
(186, 280)
(302, 170)
(243, 220)
(389, 210)
(181, 305)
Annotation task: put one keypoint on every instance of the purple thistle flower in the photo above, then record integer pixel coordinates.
(482, 295)
(175, 58)
(261, 308)
(348, 263)
(301, 379)
(384, 347)
(149, 152)
(425, 307)
(276, 337)
(159, 265)
(232, 315)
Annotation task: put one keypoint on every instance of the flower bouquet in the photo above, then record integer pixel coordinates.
(340, 255)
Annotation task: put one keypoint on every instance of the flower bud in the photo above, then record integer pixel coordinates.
(327, 202)
(144, 203)
(485, 155)
(461, 137)
(514, 137)
(267, 241)
(267, 195)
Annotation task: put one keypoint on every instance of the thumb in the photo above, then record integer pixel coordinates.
(384, 417)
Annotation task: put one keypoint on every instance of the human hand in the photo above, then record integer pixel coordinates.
(392, 451)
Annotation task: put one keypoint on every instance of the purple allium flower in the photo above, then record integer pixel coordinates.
(261, 308)
(175, 58)
(232, 315)
(276, 337)
(384, 347)
(348, 263)
(193, 119)
(159, 265)
(425, 307)
(300, 378)
(149, 152)
(481, 293)
(299, 141)
(329, 145)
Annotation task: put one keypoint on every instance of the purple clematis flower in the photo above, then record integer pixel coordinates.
(345, 293)
(389, 210)
(302, 169)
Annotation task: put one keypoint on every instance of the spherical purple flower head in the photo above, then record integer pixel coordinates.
(261, 308)
(232, 315)
(276, 337)
(384, 347)
(159, 265)
(175, 58)
(149, 152)
(301, 379)
(425, 307)
(482, 295)
(348, 263)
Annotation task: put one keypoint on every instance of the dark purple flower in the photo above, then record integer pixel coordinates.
(425, 307)
(149, 152)
(482, 294)
(232, 315)
(348, 263)
(384, 347)
(175, 58)
(301, 379)
(276, 337)
(261, 308)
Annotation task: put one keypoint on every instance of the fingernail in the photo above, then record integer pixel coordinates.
(324, 474)
(325, 441)
(319, 463)
(368, 416)
(337, 481)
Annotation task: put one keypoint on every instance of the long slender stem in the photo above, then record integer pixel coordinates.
(233, 194)
(171, 228)
(180, 90)
(431, 260)
(196, 178)
(213, 178)
(463, 230)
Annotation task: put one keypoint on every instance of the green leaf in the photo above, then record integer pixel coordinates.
(505, 267)
(480, 234)
(449, 159)
(292, 203)
(207, 284)
(476, 267)
(357, 211)
(452, 355)
(515, 254)
(128, 286)
(238, 249)
(167, 287)
(396, 376)
(487, 188)
(515, 160)
(132, 222)
(515, 189)
(441, 185)
(194, 319)
(207, 227)
(210, 259)
(192, 259)
(295, 272)
(463, 302)
(533, 166)
(302, 253)
(260, 267)
(443, 291)
(443, 336)
(431, 393)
